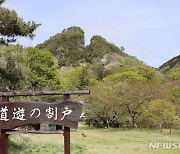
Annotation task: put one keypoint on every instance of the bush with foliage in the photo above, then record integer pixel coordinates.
(28, 69)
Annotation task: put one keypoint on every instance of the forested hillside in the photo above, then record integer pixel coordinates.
(171, 65)
(171, 68)
(124, 91)
(95, 62)
(70, 50)
(67, 46)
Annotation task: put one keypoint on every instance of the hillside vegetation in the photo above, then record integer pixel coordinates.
(171, 68)
(171, 65)
(124, 91)
(70, 50)
(28, 69)
(67, 46)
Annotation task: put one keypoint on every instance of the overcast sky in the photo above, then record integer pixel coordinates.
(148, 29)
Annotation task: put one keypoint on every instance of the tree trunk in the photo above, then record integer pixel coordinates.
(89, 122)
(107, 123)
(140, 126)
(170, 128)
(161, 128)
(134, 121)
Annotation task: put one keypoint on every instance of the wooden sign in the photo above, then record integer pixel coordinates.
(17, 114)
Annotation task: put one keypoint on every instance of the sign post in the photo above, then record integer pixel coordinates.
(4, 136)
(15, 114)
(66, 134)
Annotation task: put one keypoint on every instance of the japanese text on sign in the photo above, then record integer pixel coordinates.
(19, 113)
(15, 114)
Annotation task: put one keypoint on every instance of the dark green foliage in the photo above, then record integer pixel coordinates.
(83, 78)
(69, 48)
(1, 1)
(171, 64)
(8, 79)
(99, 71)
(99, 47)
(28, 69)
(11, 71)
(11, 26)
(66, 46)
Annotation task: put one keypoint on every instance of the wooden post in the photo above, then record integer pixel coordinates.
(66, 133)
(4, 136)
(66, 140)
(4, 143)
(5, 98)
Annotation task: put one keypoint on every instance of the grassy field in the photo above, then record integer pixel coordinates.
(96, 141)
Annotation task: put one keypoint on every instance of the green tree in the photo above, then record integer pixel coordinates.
(28, 69)
(83, 78)
(160, 112)
(128, 76)
(175, 95)
(43, 70)
(77, 78)
(135, 96)
(98, 71)
(12, 69)
(140, 73)
(12, 26)
(146, 72)
(102, 108)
